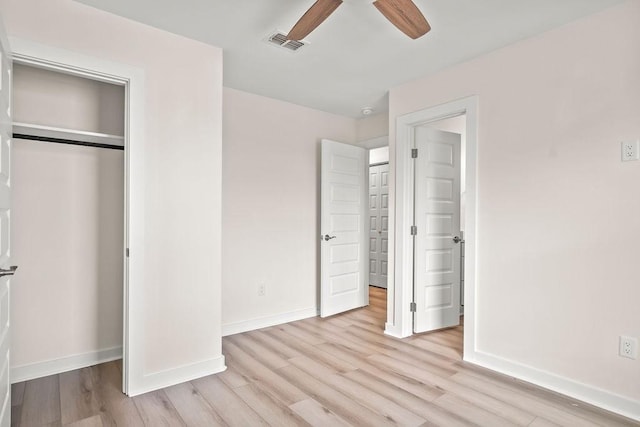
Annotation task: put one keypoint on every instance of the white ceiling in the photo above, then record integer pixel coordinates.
(356, 55)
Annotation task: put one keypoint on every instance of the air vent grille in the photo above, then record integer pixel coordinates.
(278, 38)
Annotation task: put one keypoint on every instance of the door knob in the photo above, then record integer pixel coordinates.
(327, 237)
(457, 239)
(8, 271)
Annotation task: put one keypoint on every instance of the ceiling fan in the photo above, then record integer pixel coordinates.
(404, 14)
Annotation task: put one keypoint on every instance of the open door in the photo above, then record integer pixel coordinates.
(437, 218)
(5, 215)
(343, 230)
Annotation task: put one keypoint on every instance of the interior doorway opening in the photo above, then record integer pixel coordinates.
(68, 156)
(378, 224)
(401, 290)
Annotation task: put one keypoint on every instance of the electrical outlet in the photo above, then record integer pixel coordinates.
(262, 289)
(629, 347)
(629, 150)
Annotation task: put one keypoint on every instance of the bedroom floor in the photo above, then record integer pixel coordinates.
(324, 372)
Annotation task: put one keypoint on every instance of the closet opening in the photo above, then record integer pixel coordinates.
(68, 225)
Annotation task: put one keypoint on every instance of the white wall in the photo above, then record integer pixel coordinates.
(374, 126)
(70, 254)
(67, 229)
(47, 98)
(558, 222)
(182, 145)
(271, 183)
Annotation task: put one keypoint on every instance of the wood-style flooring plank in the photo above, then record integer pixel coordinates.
(317, 415)
(376, 402)
(274, 345)
(433, 414)
(17, 393)
(327, 396)
(357, 392)
(233, 378)
(522, 401)
(444, 351)
(410, 385)
(77, 398)
(157, 410)
(559, 401)
(41, 402)
(257, 350)
(231, 408)
(541, 398)
(470, 412)
(415, 369)
(301, 334)
(541, 422)
(192, 407)
(116, 408)
(94, 421)
(272, 410)
(16, 411)
(261, 375)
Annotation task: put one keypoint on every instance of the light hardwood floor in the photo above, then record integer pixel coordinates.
(322, 372)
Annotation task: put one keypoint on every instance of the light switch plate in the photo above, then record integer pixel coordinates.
(629, 150)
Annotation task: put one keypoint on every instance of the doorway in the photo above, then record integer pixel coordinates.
(378, 216)
(67, 231)
(401, 291)
(41, 56)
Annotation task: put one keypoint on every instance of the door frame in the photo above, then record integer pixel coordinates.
(133, 80)
(400, 317)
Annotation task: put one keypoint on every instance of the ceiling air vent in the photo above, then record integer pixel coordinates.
(280, 39)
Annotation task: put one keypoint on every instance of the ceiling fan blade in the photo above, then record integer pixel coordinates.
(313, 17)
(405, 15)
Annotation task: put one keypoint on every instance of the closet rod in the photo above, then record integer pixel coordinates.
(66, 141)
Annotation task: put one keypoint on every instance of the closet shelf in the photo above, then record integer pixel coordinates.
(67, 134)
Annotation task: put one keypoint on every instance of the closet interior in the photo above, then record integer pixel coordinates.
(67, 228)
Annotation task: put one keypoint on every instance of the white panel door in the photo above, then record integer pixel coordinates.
(343, 228)
(5, 215)
(378, 224)
(437, 217)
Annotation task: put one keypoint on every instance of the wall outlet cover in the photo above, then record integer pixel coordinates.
(628, 347)
(629, 150)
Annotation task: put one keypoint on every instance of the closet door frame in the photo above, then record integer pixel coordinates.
(133, 79)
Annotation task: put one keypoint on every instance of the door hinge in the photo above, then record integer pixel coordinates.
(414, 230)
(412, 307)
(127, 252)
(414, 153)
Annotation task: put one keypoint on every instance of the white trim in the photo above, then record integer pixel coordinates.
(181, 374)
(612, 402)
(402, 325)
(266, 321)
(133, 79)
(63, 364)
(391, 330)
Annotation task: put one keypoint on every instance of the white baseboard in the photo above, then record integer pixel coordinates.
(181, 374)
(265, 322)
(604, 399)
(395, 331)
(63, 364)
